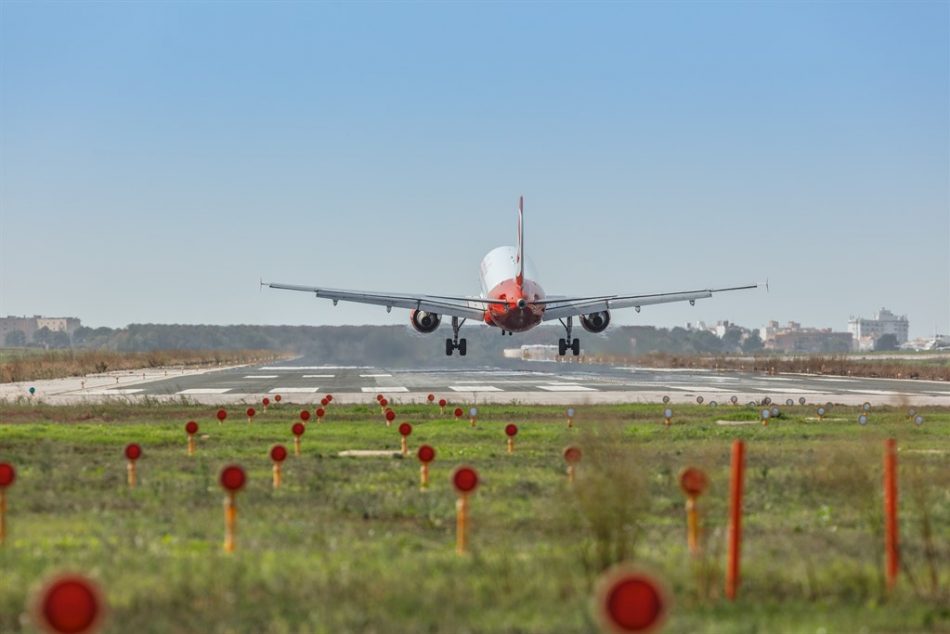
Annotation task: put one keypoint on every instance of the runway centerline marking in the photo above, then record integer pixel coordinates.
(383, 390)
(697, 388)
(318, 376)
(374, 376)
(261, 376)
(294, 390)
(474, 388)
(561, 387)
(205, 390)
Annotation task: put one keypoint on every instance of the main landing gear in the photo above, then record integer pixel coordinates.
(455, 343)
(564, 344)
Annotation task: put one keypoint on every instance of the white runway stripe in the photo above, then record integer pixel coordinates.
(474, 388)
(205, 390)
(261, 376)
(383, 390)
(116, 392)
(697, 388)
(294, 390)
(374, 376)
(318, 376)
(565, 388)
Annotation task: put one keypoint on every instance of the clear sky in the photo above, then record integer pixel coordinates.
(156, 159)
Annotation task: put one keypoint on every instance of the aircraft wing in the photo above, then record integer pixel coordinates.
(463, 307)
(561, 307)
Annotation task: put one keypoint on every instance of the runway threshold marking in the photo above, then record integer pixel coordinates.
(382, 389)
(474, 388)
(294, 390)
(205, 390)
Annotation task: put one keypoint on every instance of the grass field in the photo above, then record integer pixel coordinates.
(353, 545)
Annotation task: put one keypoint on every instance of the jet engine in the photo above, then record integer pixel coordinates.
(423, 321)
(596, 322)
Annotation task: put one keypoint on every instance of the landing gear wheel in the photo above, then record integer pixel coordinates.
(463, 347)
(561, 347)
(576, 347)
(449, 347)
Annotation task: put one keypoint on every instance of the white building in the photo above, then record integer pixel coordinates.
(866, 332)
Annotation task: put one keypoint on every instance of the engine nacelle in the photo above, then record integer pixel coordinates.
(424, 321)
(596, 322)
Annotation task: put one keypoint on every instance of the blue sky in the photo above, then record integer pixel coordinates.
(156, 159)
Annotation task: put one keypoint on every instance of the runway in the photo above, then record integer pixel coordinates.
(307, 381)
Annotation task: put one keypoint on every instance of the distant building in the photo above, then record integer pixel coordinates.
(29, 325)
(793, 338)
(866, 332)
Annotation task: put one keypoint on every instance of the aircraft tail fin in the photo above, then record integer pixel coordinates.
(520, 256)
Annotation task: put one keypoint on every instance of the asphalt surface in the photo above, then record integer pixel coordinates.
(308, 380)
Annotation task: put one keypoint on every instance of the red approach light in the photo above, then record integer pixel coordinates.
(631, 602)
(191, 427)
(458, 412)
(465, 479)
(304, 415)
(222, 414)
(405, 429)
(390, 415)
(426, 454)
(250, 412)
(379, 398)
(277, 398)
(298, 429)
(7, 474)
(320, 412)
(443, 402)
(511, 429)
(324, 402)
(430, 398)
(266, 401)
(133, 451)
(572, 455)
(70, 604)
(693, 481)
(329, 398)
(384, 402)
(233, 478)
(278, 453)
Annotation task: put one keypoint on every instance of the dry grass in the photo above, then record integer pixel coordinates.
(930, 369)
(56, 364)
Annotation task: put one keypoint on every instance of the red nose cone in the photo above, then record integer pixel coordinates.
(133, 451)
(191, 427)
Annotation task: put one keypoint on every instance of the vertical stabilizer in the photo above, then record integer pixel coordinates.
(520, 256)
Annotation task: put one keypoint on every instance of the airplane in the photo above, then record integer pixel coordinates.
(511, 300)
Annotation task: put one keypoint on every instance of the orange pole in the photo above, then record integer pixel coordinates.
(735, 519)
(3, 515)
(692, 525)
(296, 445)
(461, 521)
(424, 476)
(230, 522)
(404, 446)
(131, 470)
(442, 410)
(511, 444)
(570, 422)
(891, 548)
(276, 475)
(570, 473)
(473, 421)
(191, 444)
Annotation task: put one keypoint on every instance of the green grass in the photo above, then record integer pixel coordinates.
(353, 545)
